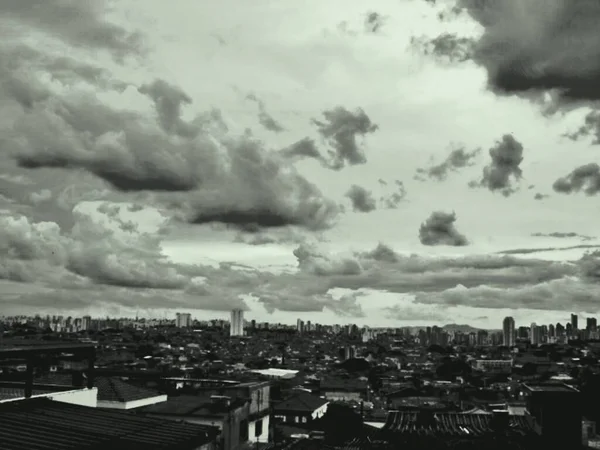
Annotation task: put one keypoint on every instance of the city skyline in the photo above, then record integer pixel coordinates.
(336, 165)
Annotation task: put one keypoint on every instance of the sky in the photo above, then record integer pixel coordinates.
(416, 162)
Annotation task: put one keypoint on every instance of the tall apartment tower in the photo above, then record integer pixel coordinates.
(534, 334)
(508, 332)
(183, 320)
(574, 324)
(236, 326)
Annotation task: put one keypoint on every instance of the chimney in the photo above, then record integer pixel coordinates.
(500, 420)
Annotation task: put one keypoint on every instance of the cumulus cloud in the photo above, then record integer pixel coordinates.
(264, 118)
(584, 178)
(528, 251)
(439, 229)
(77, 24)
(499, 175)
(340, 128)
(373, 22)
(563, 235)
(458, 158)
(384, 269)
(362, 200)
(591, 126)
(566, 294)
(446, 47)
(304, 148)
(538, 46)
(393, 199)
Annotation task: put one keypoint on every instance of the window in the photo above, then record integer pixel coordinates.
(297, 419)
(258, 428)
(304, 420)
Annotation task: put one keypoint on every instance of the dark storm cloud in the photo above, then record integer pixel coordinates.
(447, 46)
(395, 198)
(80, 24)
(439, 229)
(210, 176)
(506, 156)
(362, 200)
(540, 45)
(264, 118)
(457, 159)
(341, 128)
(584, 178)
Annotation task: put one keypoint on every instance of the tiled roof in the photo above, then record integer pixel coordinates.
(452, 424)
(191, 405)
(40, 424)
(8, 393)
(113, 389)
(302, 402)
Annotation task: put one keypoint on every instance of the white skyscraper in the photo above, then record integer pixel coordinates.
(236, 327)
(534, 334)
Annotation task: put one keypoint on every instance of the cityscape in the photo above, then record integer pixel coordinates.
(316, 225)
(284, 386)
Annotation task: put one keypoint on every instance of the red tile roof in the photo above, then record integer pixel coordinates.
(43, 424)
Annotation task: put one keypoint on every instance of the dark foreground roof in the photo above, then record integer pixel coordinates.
(455, 424)
(40, 424)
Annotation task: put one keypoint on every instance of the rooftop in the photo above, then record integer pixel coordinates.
(191, 405)
(550, 388)
(45, 424)
(23, 347)
(303, 402)
(113, 389)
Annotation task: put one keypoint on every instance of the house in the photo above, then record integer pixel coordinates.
(115, 393)
(300, 408)
(339, 389)
(229, 416)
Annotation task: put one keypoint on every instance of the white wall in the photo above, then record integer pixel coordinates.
(320, 412)
(132, 404)
(264, 437)
(83, 397)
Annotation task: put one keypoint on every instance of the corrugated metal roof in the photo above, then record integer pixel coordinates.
(43, 424)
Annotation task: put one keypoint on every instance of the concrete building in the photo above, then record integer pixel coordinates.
(236, 326)
(508, 332)
(183, 320)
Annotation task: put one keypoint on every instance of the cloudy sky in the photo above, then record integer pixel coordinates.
(414, 162)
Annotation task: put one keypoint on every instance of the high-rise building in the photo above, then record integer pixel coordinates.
(236, 326)
(591, 324)
(508, 331)
(183, 320)
(300, 326)
(534, 334)
(574, 323)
